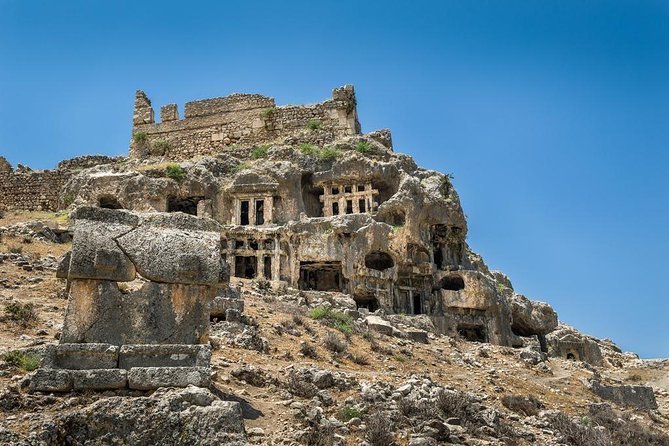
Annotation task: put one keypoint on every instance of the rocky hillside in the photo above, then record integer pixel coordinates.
(309, 367)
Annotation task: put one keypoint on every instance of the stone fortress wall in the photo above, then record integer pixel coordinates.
(24, 189)
(221, 124)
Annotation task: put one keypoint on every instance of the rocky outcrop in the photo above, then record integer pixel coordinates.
(167, 417)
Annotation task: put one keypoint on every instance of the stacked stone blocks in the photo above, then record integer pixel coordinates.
(152, 332)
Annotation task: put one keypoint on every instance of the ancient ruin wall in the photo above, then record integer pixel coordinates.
(32, 191)
(223, 124)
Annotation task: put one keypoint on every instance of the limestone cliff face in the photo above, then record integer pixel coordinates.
(351, 216)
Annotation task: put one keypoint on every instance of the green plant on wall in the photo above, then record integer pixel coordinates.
(268, 113)
(329, 153)
(314, 124)
(140, 138)
(363, 147)
(175, 172)
(308, 149)
(160, 147)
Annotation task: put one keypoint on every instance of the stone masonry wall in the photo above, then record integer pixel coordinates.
(222, 124)
(32, 191)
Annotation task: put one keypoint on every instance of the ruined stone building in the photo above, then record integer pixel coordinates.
(304, 199)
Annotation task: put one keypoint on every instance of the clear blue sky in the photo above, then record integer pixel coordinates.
(552, 115)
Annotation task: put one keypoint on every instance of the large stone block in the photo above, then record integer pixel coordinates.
(157, 313)
(147, 378)
(641, 397)
(50, 380)
(166, 355)
(220, 305)
(174, 256)
(99, 379)
(82, 356)
(95, 253)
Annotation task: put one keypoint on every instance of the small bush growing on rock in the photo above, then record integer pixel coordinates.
(268, 113)
(347, 413)
(260, 151)
(320, 435)
(175, 172)
(577, 434)
(160, 147)
(359, 359)
(308, 149)
(23, 314)
(623, 430)
(139, 137)
(308, 350)
(330, 315)
(329, 153)
(527, 405)
(22, 360)
(298, 387)
(314, 124)
(379, 430)
(298, 319)
(239, 167)
(363, 147)
(412, 408)
(334, 343)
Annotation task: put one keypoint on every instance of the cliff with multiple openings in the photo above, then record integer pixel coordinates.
(305, 200)
(243, 251)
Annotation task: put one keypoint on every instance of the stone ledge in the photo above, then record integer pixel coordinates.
(164, 355)
(99, 379)
(49, 380)
(82, 356)
(149, 378)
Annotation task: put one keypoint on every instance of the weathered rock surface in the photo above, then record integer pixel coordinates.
(167, 417)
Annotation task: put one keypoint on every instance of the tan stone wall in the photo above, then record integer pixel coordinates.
(32, 191)
(222, 124)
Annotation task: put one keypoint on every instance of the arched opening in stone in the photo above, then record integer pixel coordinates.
(379, 260)
(186, 205)
(571, 356)
(109, 202)
(452, 283)
(472, 332)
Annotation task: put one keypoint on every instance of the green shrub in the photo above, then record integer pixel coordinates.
(241, 166)
(314, 124)
(268, 112)
(329, 153)
(68, 199)
(347, 413)
(175, 172)
(445, 186)
(344, 327)
(24, 314)
(160, 147)
(330, 315)
(308, 149)
(363, 147)
(260, 151)
(16, 249)
(27, 362)
(140, 137)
